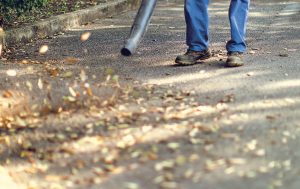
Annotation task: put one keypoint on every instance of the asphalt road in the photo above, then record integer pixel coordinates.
(259, 122)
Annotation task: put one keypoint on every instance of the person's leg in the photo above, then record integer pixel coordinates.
(238, 17)
(197, 23)
(236, 46)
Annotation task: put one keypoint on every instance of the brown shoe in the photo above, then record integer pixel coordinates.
(191, 57)
(235, 59)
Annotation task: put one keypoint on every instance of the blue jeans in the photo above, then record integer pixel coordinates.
(197, 21)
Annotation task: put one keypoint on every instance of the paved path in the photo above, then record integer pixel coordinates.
(252, 112)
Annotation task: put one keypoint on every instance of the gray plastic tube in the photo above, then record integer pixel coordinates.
(139, 26)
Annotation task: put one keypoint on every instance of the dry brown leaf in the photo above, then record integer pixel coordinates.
(85, 36)
(43, 49)
(53, 71)
(89, 91)
(7, 94)
(71, 60)
(271, 117)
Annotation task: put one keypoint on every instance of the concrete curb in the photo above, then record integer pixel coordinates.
(66, 21)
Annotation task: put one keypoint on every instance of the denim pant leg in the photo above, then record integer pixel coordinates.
(197, 22)
(238, 17)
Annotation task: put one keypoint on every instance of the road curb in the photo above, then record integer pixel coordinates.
(66, 21)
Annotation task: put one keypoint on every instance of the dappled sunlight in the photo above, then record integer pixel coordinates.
(284, 25)
(221, 13)
(280, 85)
(156, 25)
(179, 79)
(177, 9)
(101, 27)
(224, 8)
(257, 14)
(269, 104)
(207, 76)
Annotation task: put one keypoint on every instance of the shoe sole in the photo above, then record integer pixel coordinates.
(183, 63)
(236, 64)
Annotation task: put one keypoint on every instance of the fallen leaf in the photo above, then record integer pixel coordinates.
(11, 73)
(71, 60)
(40, 84)
(270, 117)
(252, 145)
(167, 164)
(7, 94)
(29, 85)
(67, 74)
(69, 98)
(53, 71)
(85, 36)
(173, 145)
(260, 152)
(72, 92)
(43, 49)
(168, 185)
(132, 185)
(83, 76)
(237, 161)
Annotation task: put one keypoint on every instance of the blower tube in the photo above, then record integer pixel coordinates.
(139, 26)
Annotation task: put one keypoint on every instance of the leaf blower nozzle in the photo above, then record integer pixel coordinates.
(139, 27)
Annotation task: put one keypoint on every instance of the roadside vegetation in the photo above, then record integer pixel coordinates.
(14, 13)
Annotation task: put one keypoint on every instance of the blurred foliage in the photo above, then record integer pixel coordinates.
(8, 8)
(21, 5)
(17, 12)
